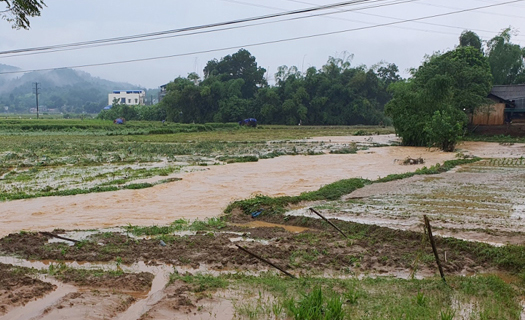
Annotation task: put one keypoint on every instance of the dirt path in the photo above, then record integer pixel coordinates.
(206, 193)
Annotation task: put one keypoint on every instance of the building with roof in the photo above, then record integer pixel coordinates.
(509, 105)
(163, 91)
(129, 97)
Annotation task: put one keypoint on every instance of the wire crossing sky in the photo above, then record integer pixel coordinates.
(108, 42)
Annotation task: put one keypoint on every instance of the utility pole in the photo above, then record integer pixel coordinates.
(36, 94)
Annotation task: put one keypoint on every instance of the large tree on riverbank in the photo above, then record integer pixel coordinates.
(431, 108)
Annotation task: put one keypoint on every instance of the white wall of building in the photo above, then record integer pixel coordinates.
(129, 97)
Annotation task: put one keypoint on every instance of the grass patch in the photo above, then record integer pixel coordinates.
(200, 282)
(331, 191)
(436, 169)
(178, 225)
(239, 159)
(477, 297)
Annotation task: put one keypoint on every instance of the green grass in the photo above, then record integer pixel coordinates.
(476, 297)
(315, 305)
(178, 225)
(200, 282)
(436, 169)
(331, 191)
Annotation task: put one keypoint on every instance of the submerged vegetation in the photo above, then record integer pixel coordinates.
(66, 157)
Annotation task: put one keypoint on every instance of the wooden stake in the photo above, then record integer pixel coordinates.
(330, 223)
(433, 243)
(268, 262)
(58, 237)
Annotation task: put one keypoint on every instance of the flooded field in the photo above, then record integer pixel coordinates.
(207, 191)
(136, 257)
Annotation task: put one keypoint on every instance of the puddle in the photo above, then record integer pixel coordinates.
(136, 310)
(34, 309)
(261, 241)
(262, 224)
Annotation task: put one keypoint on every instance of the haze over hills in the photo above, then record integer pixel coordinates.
(62, 90)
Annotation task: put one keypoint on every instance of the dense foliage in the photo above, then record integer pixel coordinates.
(507, 60)
(431, 108)
(235, 88)
(19, 11)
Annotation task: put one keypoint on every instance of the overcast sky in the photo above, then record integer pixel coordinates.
(67, 21)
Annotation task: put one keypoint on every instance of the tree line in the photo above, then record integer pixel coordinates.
(430, 108)
(235, 88)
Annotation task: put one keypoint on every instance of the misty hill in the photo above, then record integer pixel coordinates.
(65, 90)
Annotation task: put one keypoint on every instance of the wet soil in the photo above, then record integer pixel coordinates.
(369, 249)
(317, 251)
(302, 245)
(18, 286)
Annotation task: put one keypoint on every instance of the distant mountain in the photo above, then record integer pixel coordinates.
(7, 77)
(66, 90)
(57, 78)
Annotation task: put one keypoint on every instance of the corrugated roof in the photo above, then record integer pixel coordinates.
(510, 92)
(515, 92)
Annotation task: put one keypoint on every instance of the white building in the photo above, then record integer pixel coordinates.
(129, 97)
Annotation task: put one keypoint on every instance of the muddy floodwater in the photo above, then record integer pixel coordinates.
(142, 277)
(206, 193)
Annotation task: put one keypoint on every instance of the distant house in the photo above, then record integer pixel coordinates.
(129, 97)
(163, 91)
(509, 105)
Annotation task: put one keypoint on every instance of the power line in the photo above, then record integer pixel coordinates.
(399, 19)
(396, 2)
(193, 28)
(269, 42)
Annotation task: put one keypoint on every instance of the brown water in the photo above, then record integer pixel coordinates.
(206, 193)
(262, 224)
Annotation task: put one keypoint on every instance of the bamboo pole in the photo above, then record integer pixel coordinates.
(59, 237)
(268, 262)
(433, 243)
(330, 223)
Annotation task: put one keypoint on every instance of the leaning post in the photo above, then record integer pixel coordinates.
(433, 243)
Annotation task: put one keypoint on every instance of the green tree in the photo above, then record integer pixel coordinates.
(240, 65)
(506, 59)
(18, 12)
(430, 108)
(470, 38)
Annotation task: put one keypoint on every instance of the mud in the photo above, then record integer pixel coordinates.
(18, 287)
(135, 283)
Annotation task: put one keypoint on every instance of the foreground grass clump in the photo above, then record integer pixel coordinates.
(315, 305)
(476, 297)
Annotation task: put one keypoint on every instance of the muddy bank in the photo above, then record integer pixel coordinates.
(18, 286)
(318, 249)
(206, 193)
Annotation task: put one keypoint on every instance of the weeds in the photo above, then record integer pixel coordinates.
(315, 306)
